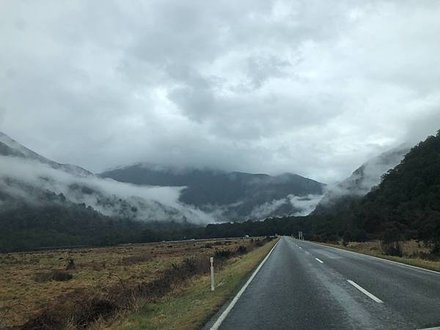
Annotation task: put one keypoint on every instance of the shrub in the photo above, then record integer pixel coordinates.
(223, 254)
(70, 264)
(53, 275)
(92, 310)
(390, 242)
(393, 248)
(259, 243)
(435, 250)
(347, 237)
(242, 249)
(133, 260)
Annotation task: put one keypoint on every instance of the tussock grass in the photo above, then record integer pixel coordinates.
(104, 281)
(53, 275)
(191, 305)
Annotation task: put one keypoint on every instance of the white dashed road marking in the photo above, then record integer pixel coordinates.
(361, 289)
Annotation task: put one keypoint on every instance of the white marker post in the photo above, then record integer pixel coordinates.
(212, 273)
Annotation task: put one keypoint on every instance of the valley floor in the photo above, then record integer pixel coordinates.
(77, 287)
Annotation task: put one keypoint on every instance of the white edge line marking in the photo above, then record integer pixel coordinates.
(380, 259)
(361, 289)
(228, 309)
(319, 260)
(300, 247)
(435, 328)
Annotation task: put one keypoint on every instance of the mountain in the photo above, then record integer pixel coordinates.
(10, 147)
(404, 205)
(29, 178)
(45, 203)
(361, 181)
(228, 195)
(407, 201)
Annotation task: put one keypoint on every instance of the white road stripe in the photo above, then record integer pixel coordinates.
(228, 309)
(319, 260)
(300, 247)
(379, 259)
(308, 253)
(361, 289)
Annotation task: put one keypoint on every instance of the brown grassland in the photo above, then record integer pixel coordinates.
(193, 304)
(74, 288)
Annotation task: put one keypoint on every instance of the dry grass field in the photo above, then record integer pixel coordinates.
(193, 304)
(61, 281)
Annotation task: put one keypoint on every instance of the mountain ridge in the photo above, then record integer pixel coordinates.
(28, 178)
(361, 181)
(240, 194)
(10, 147)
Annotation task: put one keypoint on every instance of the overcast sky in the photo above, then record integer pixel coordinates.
(314, 87)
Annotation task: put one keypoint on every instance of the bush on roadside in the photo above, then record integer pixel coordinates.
(393, 248)
(133, 260)
(241, 249)
(53, 275)
(223, 254)
(259, 242)
(390, 241)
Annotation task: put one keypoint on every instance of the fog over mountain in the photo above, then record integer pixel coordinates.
(362, 180)
(229, 195)
(151, 192)
(26, 177)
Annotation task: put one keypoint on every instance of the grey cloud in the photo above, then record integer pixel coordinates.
(312, 87)
(261, 68)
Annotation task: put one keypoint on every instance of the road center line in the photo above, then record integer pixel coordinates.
(319, 260)
(300, 247)
(361, 289)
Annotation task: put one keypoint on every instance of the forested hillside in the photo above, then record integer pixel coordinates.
(229, 195)
(339, 197)
(406, 204)
(61, 224)
(407, 201)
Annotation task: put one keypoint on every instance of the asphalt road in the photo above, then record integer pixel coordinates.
(305, 285)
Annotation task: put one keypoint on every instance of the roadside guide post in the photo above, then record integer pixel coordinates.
(212, 274)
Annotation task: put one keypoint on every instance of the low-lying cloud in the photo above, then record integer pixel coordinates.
(296, 205)
(23, 179)
(366, 177)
